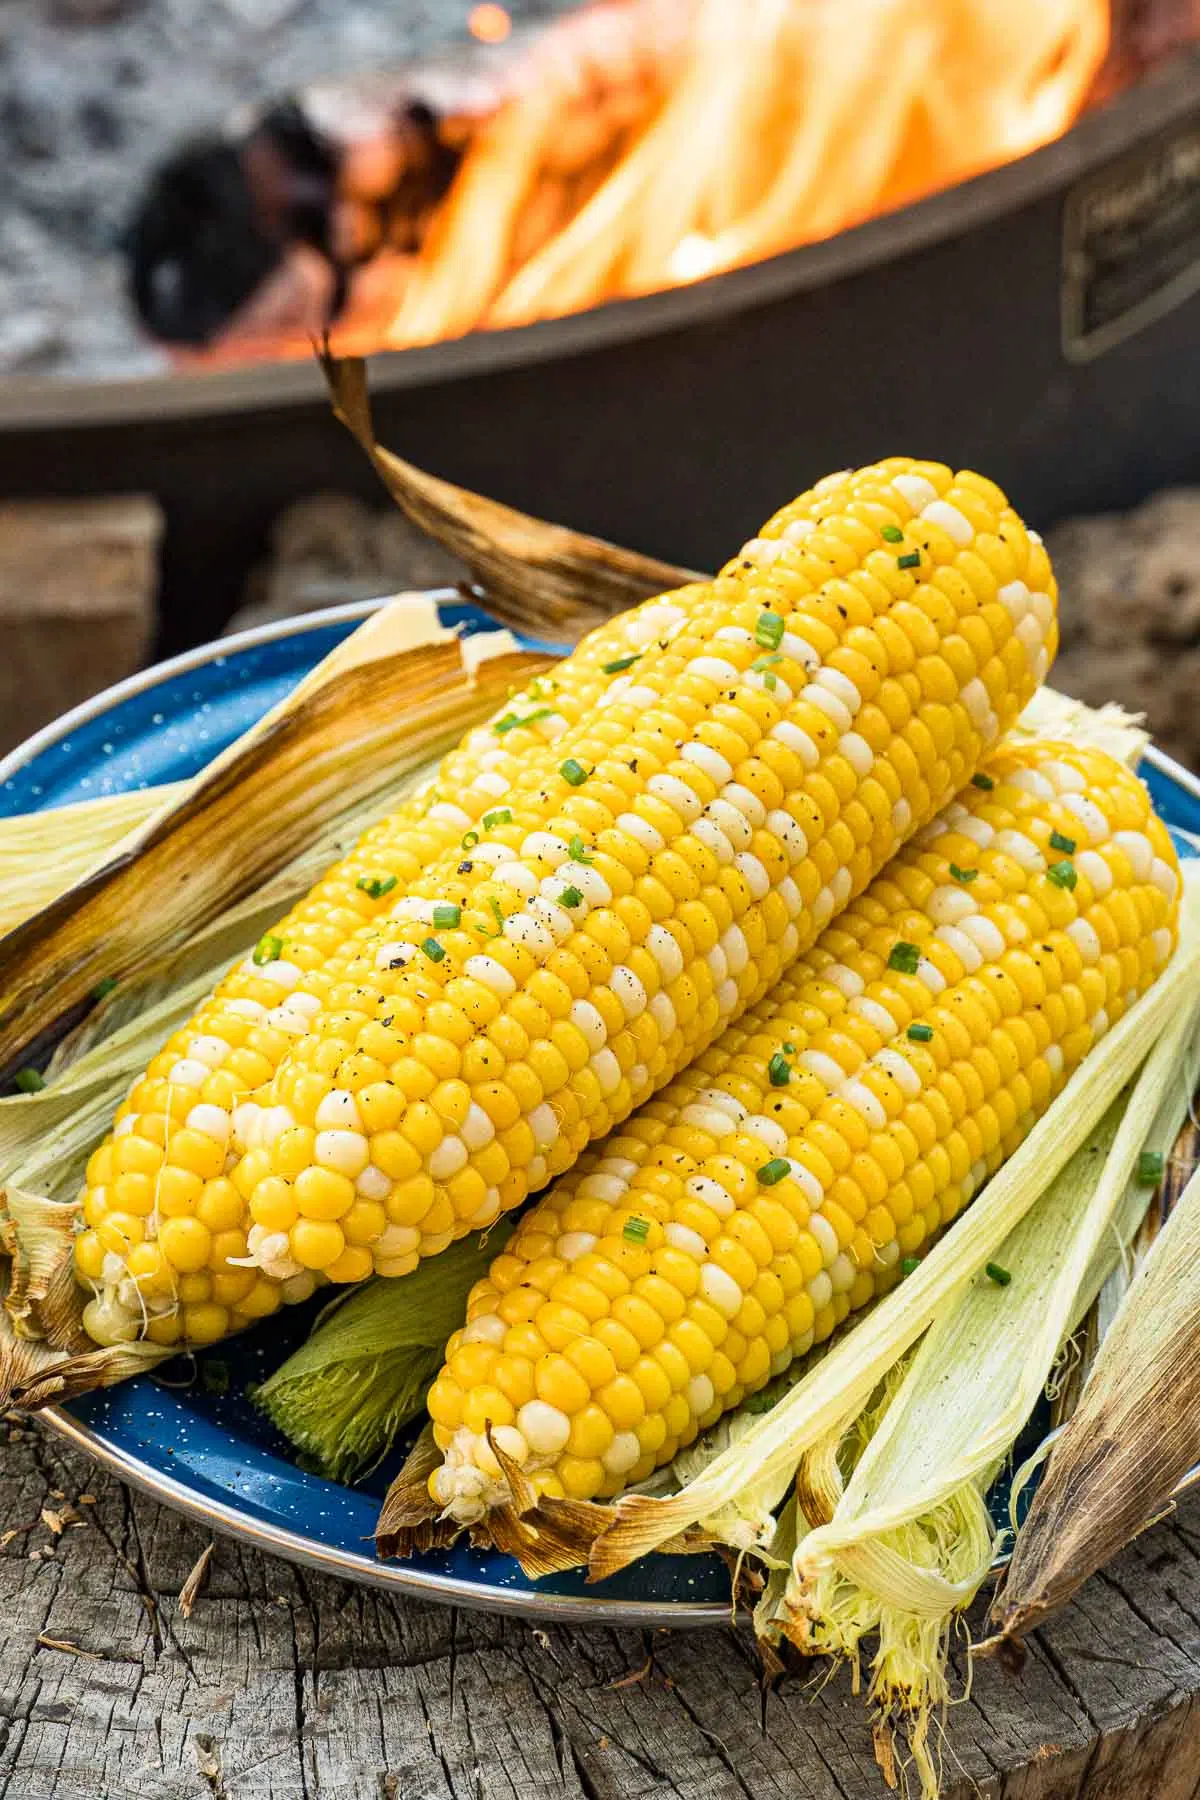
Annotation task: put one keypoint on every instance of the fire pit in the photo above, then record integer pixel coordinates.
(1039, 319)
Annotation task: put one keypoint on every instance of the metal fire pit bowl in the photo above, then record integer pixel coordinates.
(1041, 323)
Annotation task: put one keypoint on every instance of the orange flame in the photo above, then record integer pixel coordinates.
(650, 143)
(782, 122)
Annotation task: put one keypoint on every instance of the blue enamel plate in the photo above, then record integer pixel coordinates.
(204, 1449)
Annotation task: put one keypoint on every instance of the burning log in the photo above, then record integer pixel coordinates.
(334, 192)
(634, 145)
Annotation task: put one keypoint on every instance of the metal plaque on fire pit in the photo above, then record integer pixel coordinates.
(1131, 243)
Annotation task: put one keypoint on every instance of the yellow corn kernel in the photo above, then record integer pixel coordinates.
(205, 1322)
(186, 1244)
(316, 1243)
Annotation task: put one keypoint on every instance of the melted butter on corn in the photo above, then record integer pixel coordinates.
(640, 881)
(733, 1223)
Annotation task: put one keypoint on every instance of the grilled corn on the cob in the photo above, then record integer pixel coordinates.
(780, 1183)
(783, 730)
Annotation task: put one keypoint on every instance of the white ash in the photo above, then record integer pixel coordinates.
(95, 93)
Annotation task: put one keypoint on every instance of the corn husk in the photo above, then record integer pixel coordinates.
(42, 854)
(545, 580)
(1134, 1436)
(170, 910)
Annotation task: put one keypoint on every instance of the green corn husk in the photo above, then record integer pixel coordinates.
(905, 1543)
(371, 1358)
(1132, 1440)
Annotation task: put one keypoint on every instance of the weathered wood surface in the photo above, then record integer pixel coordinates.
(282, 1685)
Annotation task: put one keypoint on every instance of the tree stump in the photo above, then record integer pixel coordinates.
(285, 1685)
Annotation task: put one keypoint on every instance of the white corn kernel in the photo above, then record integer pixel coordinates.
(721, 1290)
(449, 1157)
(545, 1428)
(210, 1121)
(345, 1152)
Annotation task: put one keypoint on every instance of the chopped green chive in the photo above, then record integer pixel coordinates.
(469, 840)
(498, 915)
(577, 852)
(573, 772)
(769, 630)
(778, 1072)
(910, 561)
(446, 916)
(963, 875)
(375, 886)
(920, 1034)
(892, 534)
(1149, 1168)
(1063, 875)
(770, 682)
(570, 896)
(789, 1049)
(904, 958)
(268, 949)
(636, 1230)
(910, 1265)
(28, 1081)
(774, 1171)
(622, 663)
(995, 1273)
(433, 950)
(511, 721)
(1059, 842)
(104, 987)
(982, 781)
(501, 816)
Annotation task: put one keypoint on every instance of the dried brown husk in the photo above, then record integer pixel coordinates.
(179, 899)
(395, 693)
(1133, 1437)
(546, 1537)
(542, 579)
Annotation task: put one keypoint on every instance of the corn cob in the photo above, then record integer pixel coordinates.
(703, 823)
(782, 1181)
(687, 838)
(160, 1215)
